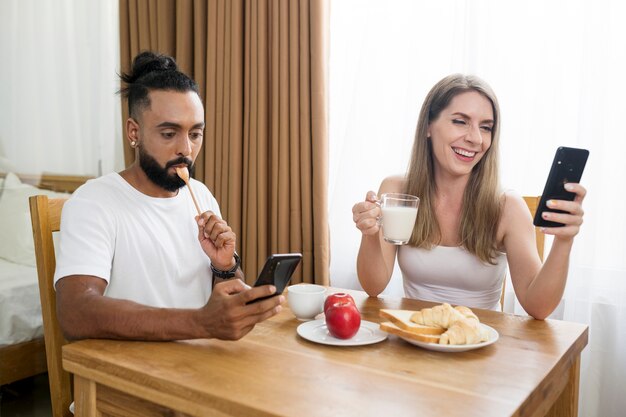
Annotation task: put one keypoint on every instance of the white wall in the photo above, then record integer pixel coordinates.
(58, 109)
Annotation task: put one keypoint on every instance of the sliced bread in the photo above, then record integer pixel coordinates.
(402, 319)
(393, 329)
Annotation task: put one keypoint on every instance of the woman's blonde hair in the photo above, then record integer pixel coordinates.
(481, 209)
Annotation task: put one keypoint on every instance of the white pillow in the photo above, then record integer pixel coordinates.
(16, 233)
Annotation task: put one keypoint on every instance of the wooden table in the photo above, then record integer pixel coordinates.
(533, 370)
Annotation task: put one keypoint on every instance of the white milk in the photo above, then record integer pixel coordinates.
(398, 223)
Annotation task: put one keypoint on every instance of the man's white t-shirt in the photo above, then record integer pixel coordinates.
(146, 248)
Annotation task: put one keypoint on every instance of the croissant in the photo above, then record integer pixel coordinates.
(467, 312)
(442, 315)
(463, 332)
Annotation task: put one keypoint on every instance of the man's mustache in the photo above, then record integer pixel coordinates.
(178, 161)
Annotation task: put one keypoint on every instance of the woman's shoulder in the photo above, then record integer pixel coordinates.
(513, 206)
(514, 214)
(393, 184)
(511, 197)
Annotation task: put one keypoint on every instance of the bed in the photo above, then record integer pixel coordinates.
(22, 349)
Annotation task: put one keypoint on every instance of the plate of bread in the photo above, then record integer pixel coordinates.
(441, 328)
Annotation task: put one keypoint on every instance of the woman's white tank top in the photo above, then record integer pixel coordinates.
(451, 275)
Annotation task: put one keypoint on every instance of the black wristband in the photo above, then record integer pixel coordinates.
(219, 273)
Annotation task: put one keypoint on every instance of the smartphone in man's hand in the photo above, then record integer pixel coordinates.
(567, 167)
(277, 271)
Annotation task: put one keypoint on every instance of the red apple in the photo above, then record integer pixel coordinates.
(343, 319)
(337, 297)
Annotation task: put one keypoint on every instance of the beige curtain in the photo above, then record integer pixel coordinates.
(262, 67)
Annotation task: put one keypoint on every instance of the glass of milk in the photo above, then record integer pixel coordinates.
(398, 218)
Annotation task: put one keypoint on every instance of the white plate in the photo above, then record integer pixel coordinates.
(493, 337)
(316, 331)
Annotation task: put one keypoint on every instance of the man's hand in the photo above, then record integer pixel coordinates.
(217, 240)
(226, 315)
(84, 312)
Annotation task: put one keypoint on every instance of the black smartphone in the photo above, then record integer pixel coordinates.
(277, 271)
(568, 166)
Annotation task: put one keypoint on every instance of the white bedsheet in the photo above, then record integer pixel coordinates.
(20, 308)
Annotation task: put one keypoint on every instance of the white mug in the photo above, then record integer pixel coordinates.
(306, 300)
(399, 212)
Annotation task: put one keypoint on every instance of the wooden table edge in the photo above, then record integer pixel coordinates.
(88, 376)
(562, 394)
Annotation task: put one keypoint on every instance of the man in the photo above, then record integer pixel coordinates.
(135, 259)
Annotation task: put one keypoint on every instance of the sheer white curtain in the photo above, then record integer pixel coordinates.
(58, 108)
(558, 70)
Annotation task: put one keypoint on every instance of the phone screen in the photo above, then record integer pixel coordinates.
(277, 271)
(568, 166)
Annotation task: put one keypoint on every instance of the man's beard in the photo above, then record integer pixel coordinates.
(159, 175)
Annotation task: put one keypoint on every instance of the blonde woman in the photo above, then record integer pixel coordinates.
(467, 228)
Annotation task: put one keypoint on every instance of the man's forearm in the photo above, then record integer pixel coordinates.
(102, 317)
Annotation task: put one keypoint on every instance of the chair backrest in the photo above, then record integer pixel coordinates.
(46, 218)
(532, 202)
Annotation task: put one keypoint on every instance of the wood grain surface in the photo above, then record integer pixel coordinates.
(274, 372)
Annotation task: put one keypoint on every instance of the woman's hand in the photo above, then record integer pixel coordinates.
(572, 219)
(366, 214)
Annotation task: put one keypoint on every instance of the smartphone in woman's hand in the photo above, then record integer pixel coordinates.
(567, 167)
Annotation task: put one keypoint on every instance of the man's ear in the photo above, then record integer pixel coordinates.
(132, 131)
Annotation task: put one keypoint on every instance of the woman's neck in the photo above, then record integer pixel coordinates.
(450, 190)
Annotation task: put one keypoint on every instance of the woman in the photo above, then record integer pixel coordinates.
(467, 228)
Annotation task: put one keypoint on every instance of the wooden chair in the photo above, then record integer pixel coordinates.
(532, 203)
(46, 218)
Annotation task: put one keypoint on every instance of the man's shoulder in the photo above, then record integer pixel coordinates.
(200, 187)
(100, 187)
(197, 184)
(103, 194)
(203, 193)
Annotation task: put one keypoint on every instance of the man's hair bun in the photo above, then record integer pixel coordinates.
(147, 62)
(152, 71)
